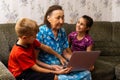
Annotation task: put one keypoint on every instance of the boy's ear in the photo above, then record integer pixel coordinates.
(24, 37)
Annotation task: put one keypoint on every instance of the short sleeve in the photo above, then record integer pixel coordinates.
(89, 40)
(37, 43)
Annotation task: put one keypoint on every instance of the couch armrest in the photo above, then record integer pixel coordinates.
(5, 73)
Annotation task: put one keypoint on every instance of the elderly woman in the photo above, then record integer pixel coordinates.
(52, 34)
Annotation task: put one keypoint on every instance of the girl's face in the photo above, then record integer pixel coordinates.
(56, 19)
(81, 25)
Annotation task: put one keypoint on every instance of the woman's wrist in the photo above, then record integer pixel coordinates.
(58, 56)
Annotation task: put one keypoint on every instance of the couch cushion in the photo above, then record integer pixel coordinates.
(107, 48)
(7, 40)
(105, 67)
(69, 28)
(9, 33)
(117, 72)
(5, 73)
(101, 31)
(103, 71)
(4, 48)
(116, 32)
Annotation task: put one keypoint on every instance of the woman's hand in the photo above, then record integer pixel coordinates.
(63, 60)
(67, 53)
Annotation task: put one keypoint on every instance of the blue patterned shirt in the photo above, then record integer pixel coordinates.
(58, 44)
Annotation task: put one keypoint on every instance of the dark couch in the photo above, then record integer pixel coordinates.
(105, 34)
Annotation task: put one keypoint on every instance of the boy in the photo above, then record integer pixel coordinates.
(23, 58)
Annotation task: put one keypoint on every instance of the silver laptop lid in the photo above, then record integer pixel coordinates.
(83, 60)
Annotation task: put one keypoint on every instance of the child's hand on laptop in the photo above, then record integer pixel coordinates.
(92, 68)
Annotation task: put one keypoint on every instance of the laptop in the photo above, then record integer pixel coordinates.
(82, 60)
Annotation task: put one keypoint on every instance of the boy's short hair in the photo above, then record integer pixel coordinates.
(26, 27)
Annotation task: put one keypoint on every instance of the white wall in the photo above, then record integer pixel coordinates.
(99, 10)
(115, 10)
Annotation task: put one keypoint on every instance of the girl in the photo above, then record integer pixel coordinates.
(80, 39)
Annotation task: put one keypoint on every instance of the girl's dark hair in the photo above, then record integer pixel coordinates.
(49, 11)
(89, 21)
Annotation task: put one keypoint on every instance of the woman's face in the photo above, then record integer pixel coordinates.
(56, 19)
(81, 25)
